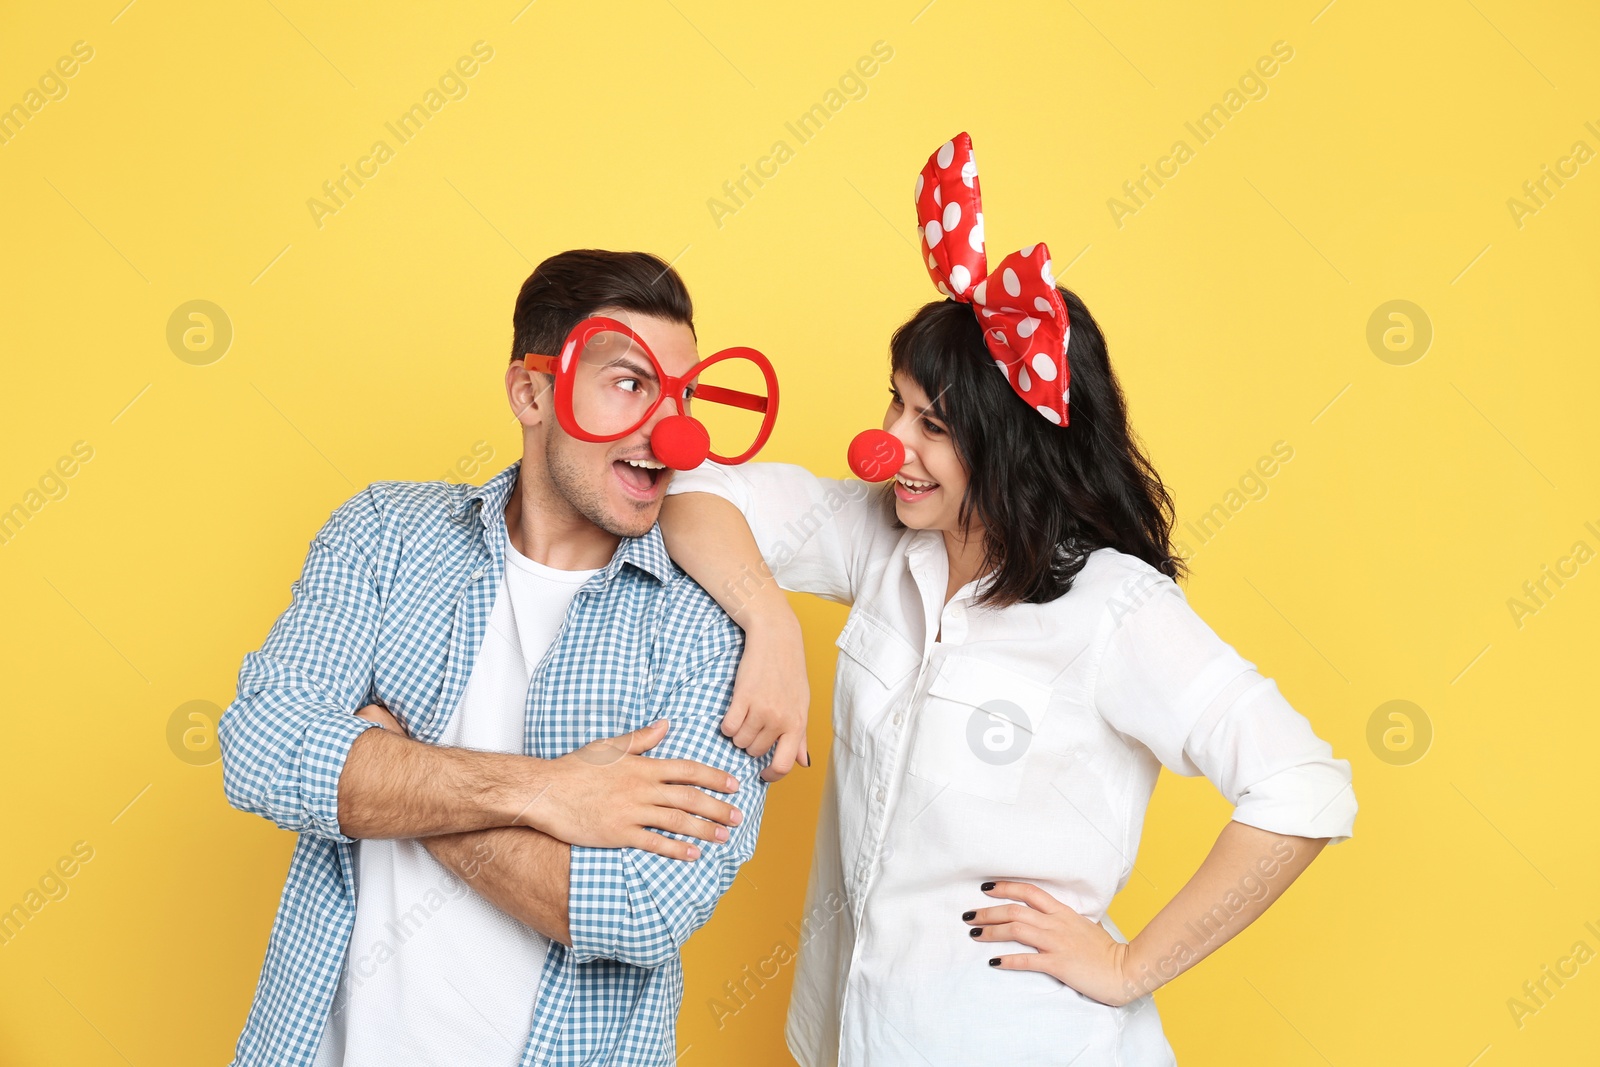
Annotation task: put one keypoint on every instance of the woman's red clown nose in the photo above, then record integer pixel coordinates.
(875, 455)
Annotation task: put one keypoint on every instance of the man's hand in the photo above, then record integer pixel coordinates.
(603, 795)
(607, 795)
(771, 695)
(379, 714)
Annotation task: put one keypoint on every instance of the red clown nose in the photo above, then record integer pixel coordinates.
(875, 455)
(681, 442)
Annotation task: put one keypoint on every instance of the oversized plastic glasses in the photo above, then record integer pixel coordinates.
(609, 383)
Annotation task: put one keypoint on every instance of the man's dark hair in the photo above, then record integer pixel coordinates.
(571, 286)
(1046, 495)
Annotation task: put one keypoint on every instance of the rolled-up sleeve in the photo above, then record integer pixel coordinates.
(638, 907)
(288, 732)
(815, 534)
(1166, 679)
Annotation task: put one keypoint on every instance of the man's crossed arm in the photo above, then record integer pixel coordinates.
(294, 753)
(628, 903)
(526, 872)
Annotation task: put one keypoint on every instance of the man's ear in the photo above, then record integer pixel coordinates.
(531, 394)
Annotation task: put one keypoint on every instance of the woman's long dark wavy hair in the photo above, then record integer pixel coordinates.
(1045, 495)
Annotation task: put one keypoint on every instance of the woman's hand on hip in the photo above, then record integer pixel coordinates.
(1074, 950)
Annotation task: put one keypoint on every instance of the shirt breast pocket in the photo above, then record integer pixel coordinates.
(873, 661)
(976, 729)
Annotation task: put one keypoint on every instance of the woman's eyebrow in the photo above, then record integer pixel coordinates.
(931, 408)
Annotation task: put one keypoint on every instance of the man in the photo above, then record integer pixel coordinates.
(510, 883)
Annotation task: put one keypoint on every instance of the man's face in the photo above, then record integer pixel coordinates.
(618, 485)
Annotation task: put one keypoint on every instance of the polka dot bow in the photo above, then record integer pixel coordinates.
(1024, 318)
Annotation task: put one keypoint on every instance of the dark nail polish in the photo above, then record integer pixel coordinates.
(986, 886)
(968, 916)
(995, 962)
(976, 930)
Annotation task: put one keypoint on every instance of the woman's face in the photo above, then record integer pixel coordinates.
(930, 486)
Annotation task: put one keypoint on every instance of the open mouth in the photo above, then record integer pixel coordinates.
(640, 477)
(909, 489)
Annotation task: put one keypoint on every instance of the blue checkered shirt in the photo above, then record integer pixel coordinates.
(391, 608)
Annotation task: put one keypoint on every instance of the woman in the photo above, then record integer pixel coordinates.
(1017, 666)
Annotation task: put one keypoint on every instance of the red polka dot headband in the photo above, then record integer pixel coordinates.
(1024, 318)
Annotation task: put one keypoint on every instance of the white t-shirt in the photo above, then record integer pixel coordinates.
(435, 974)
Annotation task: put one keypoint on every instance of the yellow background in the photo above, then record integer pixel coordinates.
(1376, 567)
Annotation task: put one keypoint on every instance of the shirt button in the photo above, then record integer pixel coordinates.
(881, 795)
(477, 574)
(899, 717)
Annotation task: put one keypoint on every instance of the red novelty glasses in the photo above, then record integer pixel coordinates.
(609, 383)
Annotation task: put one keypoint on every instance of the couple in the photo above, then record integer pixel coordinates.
(525, 731)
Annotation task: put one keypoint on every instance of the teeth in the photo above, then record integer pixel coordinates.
(649, 465)
(915, 487)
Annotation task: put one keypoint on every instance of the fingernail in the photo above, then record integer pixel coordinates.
(986, 886)
(967, 916)
(722, 833)
(995, 962)
(733, 786)
(694, 853)
(653, 725)
(975, 931)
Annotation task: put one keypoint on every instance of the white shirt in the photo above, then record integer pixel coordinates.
(1024, 744)
(435, 974)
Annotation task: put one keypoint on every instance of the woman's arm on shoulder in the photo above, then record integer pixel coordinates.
(746, 534)
(811, 534)
(710, 540)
